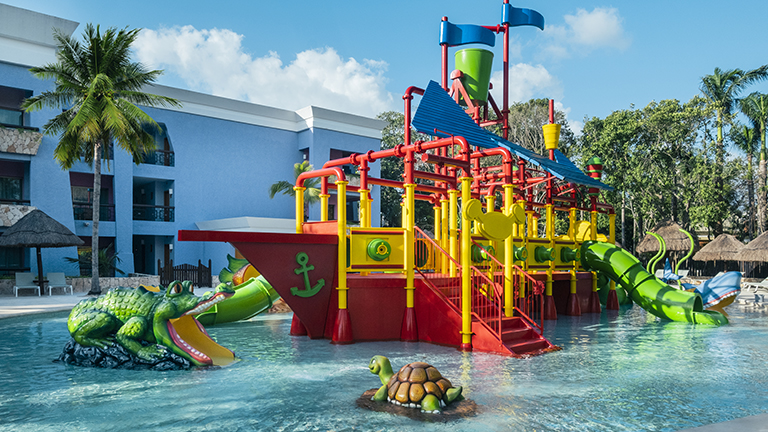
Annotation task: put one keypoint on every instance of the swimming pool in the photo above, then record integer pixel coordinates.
(622, 371)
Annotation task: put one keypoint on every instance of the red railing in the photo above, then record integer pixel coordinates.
(487, 295)
(533, 289)
(440, 281)
(487, 300)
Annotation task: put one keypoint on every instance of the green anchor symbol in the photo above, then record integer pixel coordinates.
(308, 291)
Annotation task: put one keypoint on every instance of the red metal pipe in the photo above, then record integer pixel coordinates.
(505, 83)
(434, 177)
(444, 62)
(551, 111)
(441, 160)
(398, 184)
(323, 172)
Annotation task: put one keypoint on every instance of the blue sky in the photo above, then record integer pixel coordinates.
(593, 57)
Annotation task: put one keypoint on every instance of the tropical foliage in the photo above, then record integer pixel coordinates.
(312, 192)
(108, 262)
(98, 88)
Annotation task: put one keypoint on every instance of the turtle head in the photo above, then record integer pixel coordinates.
(380, 366)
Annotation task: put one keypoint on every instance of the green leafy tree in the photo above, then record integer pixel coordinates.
(98, 87)
(108, 262)
(311, 194)
(745, 139)
(721, 89)
(660, 160)
(755, 107)
(526, 120)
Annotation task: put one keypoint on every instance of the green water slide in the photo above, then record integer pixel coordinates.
(251, 298)
(645, 289)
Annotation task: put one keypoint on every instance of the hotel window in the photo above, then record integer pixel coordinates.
(10, 189)
(11, 99)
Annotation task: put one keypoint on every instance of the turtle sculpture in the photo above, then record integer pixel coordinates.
(416, 385)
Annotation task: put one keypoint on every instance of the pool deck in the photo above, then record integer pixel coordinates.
(11, 306)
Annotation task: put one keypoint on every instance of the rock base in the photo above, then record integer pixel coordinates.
(457, 410)
(117, 357)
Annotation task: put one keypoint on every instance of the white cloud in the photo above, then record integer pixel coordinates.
(601, 27)
(586, 31)
(213, 61)
(525, 82)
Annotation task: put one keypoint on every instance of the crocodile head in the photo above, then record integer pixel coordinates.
(175, 327)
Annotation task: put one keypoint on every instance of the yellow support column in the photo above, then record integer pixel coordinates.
(593, 224)
(490, 205)
(453, 247)
(466, 263)
(342, 332)
(409, 331)
(444, 227)
(324, 207)
(509, 259)
(523, 244)
(436, 210)
(299, 208)
(365, 209)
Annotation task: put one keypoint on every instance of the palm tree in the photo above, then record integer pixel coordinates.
(755, 107)
(311, 195)
(98, 86)
(721, 90)
(746, 141)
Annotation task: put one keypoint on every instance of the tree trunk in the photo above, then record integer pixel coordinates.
(761, 192)
(624, 221)
(719, 165)
(95, 288)
(750, 198)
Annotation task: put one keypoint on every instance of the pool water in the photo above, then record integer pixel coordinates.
(618, 371)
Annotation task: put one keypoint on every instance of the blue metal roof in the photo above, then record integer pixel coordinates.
(439, 115)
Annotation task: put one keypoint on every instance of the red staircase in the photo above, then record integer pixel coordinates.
(518, 335)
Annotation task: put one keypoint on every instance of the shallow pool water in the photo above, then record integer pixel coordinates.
(619, 371)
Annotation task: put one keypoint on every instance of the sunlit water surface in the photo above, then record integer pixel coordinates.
(622, 371)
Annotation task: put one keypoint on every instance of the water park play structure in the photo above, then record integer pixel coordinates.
(488, 276)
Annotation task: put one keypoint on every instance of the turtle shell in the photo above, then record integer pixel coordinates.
(414, 381)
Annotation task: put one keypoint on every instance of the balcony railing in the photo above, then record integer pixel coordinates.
(14, 202)
(160, 157)
(84, 212)
(156, 213)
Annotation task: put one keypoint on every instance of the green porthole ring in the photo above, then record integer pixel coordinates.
(379, 249)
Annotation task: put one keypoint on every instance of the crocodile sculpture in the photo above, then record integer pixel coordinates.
(147, 324)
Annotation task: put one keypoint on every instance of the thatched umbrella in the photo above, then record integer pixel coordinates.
(756, 250)
(723, 248)
(38, 230)
(675, 239)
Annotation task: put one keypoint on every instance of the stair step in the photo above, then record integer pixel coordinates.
(528, 345)
(516, 334)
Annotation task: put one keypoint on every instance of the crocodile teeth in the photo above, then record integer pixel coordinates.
(205, 305)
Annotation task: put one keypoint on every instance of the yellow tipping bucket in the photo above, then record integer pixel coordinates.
(551, 136)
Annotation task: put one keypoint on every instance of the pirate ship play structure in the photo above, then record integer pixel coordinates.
(487, 277)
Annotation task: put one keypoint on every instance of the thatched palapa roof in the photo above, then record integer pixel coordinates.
(723, 248)
(670, 232)
(37, 229)
(756, 250)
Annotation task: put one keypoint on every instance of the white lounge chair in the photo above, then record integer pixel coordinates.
(57, 280)
(756, 286)
(25, 281)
